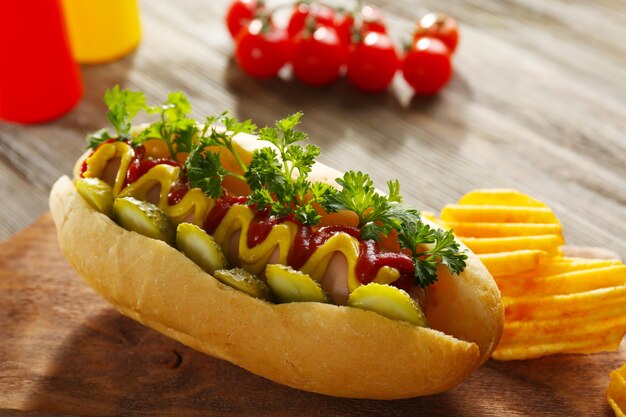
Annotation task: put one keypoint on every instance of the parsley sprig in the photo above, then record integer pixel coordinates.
(379, 215)
(123, 107)
(443, 249)
(278, 176)
(204, 168)
(174, 126)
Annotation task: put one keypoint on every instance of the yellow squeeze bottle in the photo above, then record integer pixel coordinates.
(102, 30)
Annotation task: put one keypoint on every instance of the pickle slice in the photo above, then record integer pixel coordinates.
(200, 247)
(242, 280)
(143, 218)
(388, 301)
(97, 193)
(291, 286)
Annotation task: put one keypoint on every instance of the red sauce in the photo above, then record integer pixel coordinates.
(139, 165)
(219, 210)
(261, 226)
(83, 167)
(306, 241)
(178, 191)
(371, 259)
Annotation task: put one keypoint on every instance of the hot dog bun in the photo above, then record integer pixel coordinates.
(329, 349)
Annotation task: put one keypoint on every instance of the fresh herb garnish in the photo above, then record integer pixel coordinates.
(379, 215)
(204, 168)
(279, 177)
(174, 126)
(444, 250)
(123, 107)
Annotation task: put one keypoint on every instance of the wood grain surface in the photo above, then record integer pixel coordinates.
(538, 103)
(66, 351)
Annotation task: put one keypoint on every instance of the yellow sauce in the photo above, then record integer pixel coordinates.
(236, 220)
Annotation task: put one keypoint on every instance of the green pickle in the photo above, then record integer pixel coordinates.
(388, 301)
(244, 281)
(143, 218)
(291, 286)
(200, 247)
(97, 193)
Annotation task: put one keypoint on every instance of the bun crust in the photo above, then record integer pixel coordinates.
(328, 349)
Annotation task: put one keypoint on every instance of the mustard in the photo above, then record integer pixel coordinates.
(237, 219)
(102, 155)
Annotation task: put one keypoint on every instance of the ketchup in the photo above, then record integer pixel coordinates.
(261, 226)
(139, 165)
(83, 167)
(219, 210)
(178, 191)
(306, 241)
(371, 259)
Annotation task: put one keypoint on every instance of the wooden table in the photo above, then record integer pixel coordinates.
(538, 103)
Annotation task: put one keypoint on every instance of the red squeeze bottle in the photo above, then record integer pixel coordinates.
(39, 79)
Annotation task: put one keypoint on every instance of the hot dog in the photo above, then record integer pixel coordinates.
(338, 289)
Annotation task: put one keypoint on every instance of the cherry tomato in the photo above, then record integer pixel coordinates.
(317, 57)
(427, 67)
(373, 62)
(440, 26)
(372, 20)
(324, 15)
(240, 14)
(344, 23)
(261, 49)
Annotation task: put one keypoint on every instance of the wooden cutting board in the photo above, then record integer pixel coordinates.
(66, 351)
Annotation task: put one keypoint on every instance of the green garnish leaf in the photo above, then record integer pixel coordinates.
(97, 138)
(174, 127)
(203, 167)
(123, 107)
(377, 214)
(279, 177)
(445, 250)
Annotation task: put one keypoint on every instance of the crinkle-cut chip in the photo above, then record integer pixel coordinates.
(547, 243)
(497, 214)
(511, 263)
(554, 265)
(502, 197)
(616, 392)
(532, 307)
(565, 283)
(531, 351)
(595, 325)
(482, 229)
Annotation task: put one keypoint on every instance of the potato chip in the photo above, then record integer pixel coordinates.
(511, 263)
(616, 392)
(554, 265)
(497, 214)
(553, 304)
(481, 245)
(532, 350)
(594, 325)
(478, 229)
(532, 307)
(565, 283)
(502, 197)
